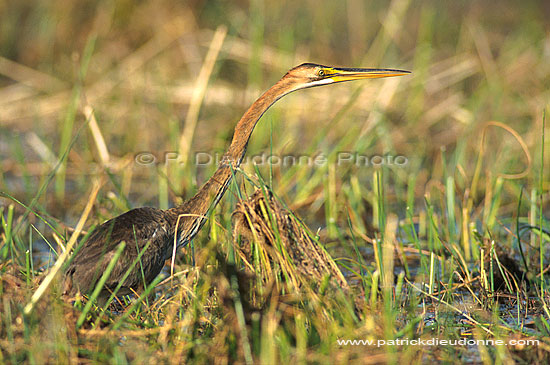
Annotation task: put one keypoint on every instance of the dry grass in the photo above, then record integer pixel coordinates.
(428, 247)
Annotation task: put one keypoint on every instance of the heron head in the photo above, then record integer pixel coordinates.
(310, 75)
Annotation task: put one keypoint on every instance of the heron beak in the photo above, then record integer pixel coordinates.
(349, 74)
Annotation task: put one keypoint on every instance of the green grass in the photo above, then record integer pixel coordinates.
(426, 246)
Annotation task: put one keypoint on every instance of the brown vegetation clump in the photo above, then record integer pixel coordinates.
(273, 235)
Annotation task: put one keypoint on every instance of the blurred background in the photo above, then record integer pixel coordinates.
(125, 93)
(160, 74)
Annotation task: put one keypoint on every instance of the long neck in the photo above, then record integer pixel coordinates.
(211, 192)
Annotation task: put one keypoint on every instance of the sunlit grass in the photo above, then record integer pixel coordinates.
(427, 246)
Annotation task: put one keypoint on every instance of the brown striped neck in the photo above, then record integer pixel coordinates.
(197, 208)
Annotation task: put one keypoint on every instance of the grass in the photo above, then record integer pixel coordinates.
(450, 245)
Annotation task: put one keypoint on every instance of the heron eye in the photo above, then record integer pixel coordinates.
(321, 73)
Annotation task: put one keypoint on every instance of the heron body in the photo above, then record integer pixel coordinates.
(161, 229)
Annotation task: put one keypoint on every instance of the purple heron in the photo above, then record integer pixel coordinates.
(164, 228)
